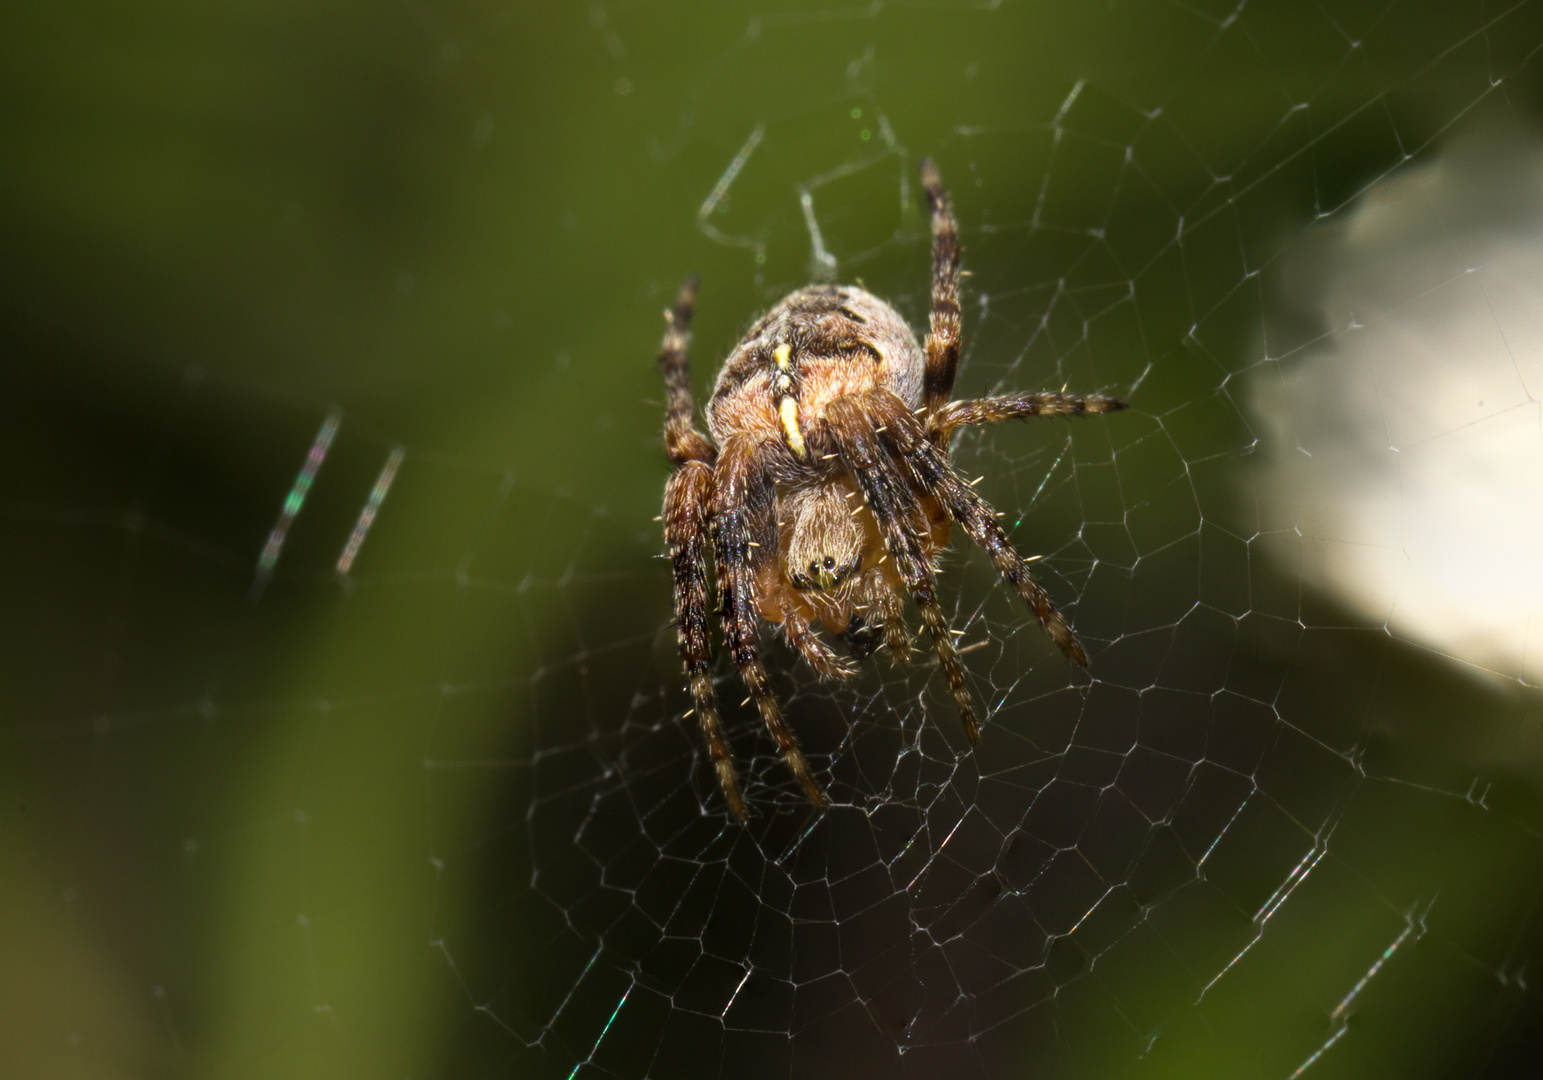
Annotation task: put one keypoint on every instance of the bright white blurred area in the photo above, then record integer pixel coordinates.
(1402, 450)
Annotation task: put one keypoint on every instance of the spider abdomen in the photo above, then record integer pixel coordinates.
(817, 344)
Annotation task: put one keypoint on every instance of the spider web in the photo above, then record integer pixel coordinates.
(344, 727)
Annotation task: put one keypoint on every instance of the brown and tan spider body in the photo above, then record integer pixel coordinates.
(826, 493)
(819, 345)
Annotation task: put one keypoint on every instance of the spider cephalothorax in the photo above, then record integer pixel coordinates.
(826, 491)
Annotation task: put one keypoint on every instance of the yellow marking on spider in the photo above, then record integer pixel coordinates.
(788, 408)
(783, 354)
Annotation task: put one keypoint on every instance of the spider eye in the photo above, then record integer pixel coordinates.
(830, 563)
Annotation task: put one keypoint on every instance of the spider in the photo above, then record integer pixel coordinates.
(826, 492)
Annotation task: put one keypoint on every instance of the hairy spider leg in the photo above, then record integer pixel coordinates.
(992, 410)
(800, 634)
(896, 638)
(682, 441)
(745, 519)
(882, 594)
(908, 442)
(943, 323)
(687, 495)
(890, 497)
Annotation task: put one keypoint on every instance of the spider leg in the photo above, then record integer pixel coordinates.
(892, 500)
(943, 324)
(991, 410)
(800, 634)
(682, 442)
(745, 519)
(908, 441)
(686, 498)
(895, 637)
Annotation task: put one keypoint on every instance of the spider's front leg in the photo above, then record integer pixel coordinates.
(744, 515)
(687, 496)
(895, 507)
(907, 441)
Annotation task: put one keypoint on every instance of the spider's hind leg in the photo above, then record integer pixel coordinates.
(1016, 406)
(943, 322)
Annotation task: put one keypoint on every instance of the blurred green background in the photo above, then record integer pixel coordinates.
(309, 830)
